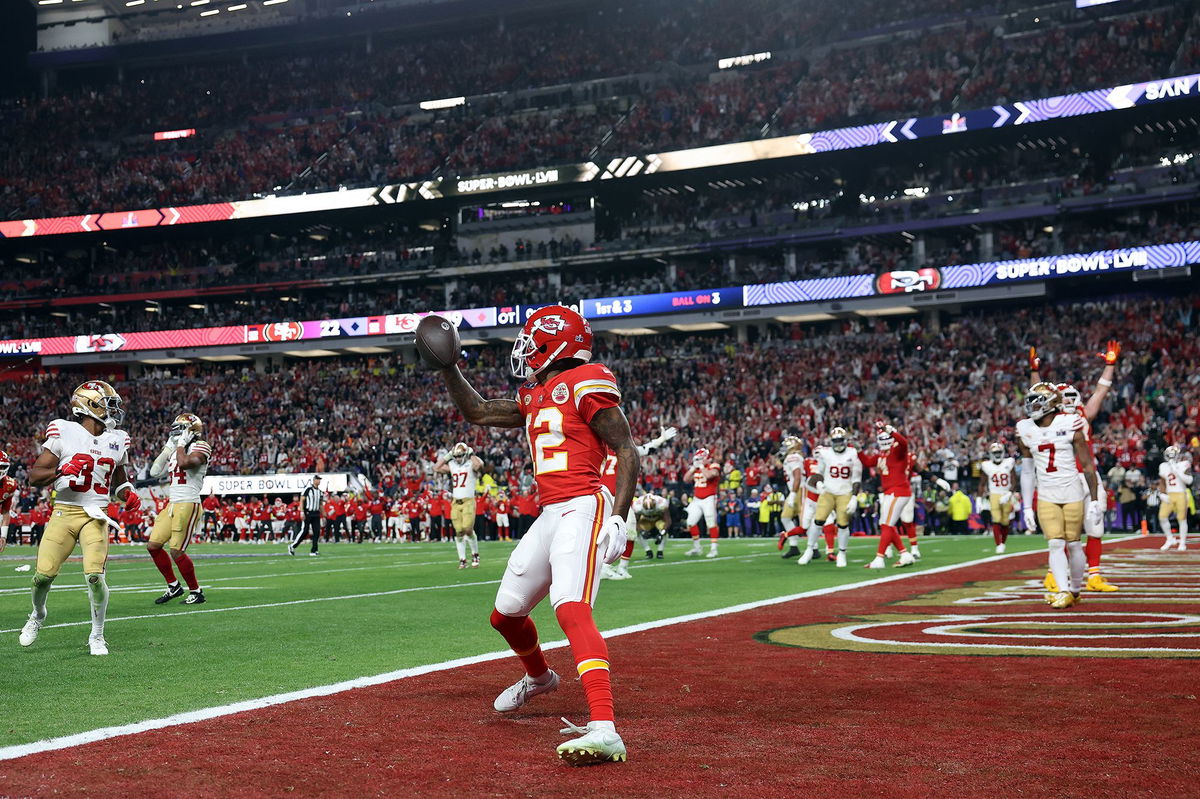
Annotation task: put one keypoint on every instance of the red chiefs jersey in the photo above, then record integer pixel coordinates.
(893, 467)
(211, 502)
(375, 506)
(567, 454)
(8, 490)
(810, 468)
(608, 472)
(502, 506)
(706, 486)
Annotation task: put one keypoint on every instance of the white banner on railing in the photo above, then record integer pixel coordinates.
(225, 484)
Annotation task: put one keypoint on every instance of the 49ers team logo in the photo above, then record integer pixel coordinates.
(283, 331)
(909, 281)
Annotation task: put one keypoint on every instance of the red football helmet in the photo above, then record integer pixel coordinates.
(702, 454)
(550, 334)
(4, 463)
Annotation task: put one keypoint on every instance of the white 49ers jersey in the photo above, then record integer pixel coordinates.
(793, 462)
(1171, 473)
(1054, 457)
(100, 456)
(999, 475)
(186, 483)
(650, 506)
(462, 478)
(840, 470)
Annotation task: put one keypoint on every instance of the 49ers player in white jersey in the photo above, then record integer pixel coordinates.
(1000, 473)
(570, 409)
(1072, 403)
(793, 473)
(84, 460)
(1054, 453)
(608, 479)
(1174, 477)
(185, 459)
(840, 473)
(705, 475)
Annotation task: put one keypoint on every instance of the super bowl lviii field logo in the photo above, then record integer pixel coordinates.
(1156, 614)
(909, 281)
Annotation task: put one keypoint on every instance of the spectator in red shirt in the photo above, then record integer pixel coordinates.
(374, 507)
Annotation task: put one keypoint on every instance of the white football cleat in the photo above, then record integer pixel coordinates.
(1170, 542)
(878, 563)
(596, 744)
(916, 553)
(999, 549)
(97, 644)
(891, 550)
(807, 557)
(1183, 546)
(522, 691)
(29, 632)
(906, 559)
(841, 560)
(623, 572)
(695, 550)
(712, 553)
(608, 573)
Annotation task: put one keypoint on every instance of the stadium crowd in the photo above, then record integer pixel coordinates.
(952, 386)
(343, 116)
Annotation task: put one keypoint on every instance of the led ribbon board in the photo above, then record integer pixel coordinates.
(1115, 98)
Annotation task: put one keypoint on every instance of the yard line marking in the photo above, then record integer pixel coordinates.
(204, 714)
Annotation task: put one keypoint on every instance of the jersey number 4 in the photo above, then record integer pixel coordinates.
(548, 456)
(93, 474)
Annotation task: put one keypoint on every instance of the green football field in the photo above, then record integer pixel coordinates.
(274, 623)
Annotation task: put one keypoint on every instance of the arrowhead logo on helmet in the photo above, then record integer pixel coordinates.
(550, 334)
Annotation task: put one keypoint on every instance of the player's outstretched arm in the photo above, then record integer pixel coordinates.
(612, 427)
(1083, 454)
(44, 469)
(1035, 367)
(475, 409)
(1112, 351)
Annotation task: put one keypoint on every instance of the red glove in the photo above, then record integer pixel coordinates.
(77, 464)
(132, 500)
(1111, 352)
(1035, 363)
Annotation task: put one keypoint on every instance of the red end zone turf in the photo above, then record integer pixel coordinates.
(707, 709)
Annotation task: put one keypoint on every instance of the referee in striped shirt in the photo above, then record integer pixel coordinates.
(311, 500)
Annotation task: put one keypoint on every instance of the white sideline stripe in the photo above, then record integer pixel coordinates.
(204, 714)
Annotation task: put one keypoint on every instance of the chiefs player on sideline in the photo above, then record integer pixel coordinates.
(840, 471)
(1174, 476)
(84, 460)
(705, 475)
(1054, 453)
(608, 479)
(1000, 471)
(570, 409)
(185, 458)
(1094, 528)
(464, 467)
(8, 495)
(897, 499)
(793, 472)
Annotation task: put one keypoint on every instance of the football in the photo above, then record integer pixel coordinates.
(437, 342)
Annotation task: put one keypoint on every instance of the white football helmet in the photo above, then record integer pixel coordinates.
(996, 451)
(1071, 402)
(461, 452)
(837, 439)
(1171, 453)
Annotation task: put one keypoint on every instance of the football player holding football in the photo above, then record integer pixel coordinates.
(184, 458)
(570, 409)
(84, 460)
(1072, 403)
(1054, 454)
(464, 468)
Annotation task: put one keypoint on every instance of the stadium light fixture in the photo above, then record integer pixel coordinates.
(310, 353)
(163, 361)
(132, 3)
(805, 317)
(238, 7)
(196, 306)
(273, 2)
(430, 105)
(49, 2)
(369, 350)
(898, 310)
(699, 327)
(224, 358)
(632, 331)
(210, 12)
(199, 2)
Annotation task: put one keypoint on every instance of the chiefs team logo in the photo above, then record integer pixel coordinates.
(552, 324)
(109, 342)
(560, 394)
(909, 281)
(283, 331)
